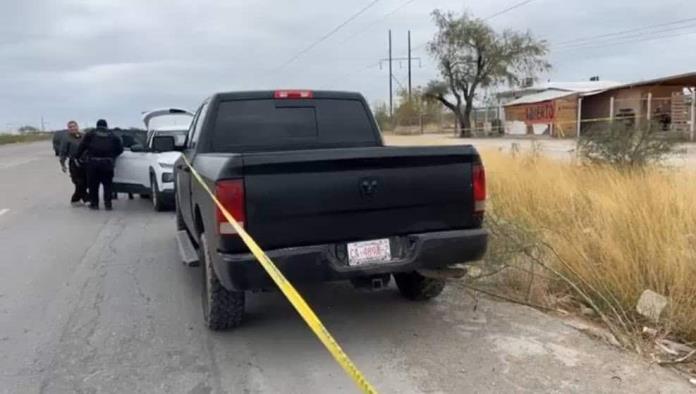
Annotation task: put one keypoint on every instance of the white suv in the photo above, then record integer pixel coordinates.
(148, 170)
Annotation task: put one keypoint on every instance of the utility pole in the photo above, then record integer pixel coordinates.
(391, 59)
(409, 65)
(391, 98)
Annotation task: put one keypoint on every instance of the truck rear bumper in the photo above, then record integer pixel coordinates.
(321, 263)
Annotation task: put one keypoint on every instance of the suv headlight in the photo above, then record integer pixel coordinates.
(167, 177)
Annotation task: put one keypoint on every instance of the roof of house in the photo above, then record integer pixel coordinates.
(540, 97)
(555, 90)
(581, 86)
(686, 79)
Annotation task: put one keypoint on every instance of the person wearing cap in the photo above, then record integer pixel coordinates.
(100, 148)
(68, 151)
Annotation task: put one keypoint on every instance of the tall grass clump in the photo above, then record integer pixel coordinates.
(604, 234)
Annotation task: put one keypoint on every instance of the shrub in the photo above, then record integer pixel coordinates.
(382, 117)
(621, 144)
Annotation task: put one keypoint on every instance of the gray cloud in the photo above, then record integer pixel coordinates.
(65, 59)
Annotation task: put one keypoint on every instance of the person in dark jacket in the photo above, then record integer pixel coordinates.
(68, 151)
(100, 148)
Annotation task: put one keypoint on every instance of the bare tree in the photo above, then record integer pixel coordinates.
(471, 55)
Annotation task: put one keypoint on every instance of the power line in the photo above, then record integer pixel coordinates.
(630, 37)
(327, 35)
(506, 10)
(398, 82)
(501, 12)
(376, 22)
(623, 32)
(353, 72)
(489, 17)
(629, 41)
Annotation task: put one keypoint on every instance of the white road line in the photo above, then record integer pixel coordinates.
(4, 211)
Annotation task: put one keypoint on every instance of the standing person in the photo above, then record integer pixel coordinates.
(68, 151)
(101, 148)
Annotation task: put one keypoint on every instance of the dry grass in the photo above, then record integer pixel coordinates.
(29, 137)
(612, 234)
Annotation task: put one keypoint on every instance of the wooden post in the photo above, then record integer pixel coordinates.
(648, 115)
(577, 132)
(611, 109)
(420, 121)
(693, 114)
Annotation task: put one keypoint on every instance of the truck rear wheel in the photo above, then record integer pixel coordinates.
(417, 287)
(222, 309)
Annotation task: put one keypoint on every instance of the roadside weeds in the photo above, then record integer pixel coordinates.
(587, 241)
(28, 137)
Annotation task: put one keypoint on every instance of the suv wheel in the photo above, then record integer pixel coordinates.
(222, 309)
(157, 200)
(417, 287)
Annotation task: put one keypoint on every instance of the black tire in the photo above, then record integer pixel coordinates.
(222, 308)
(158, 202)
(144, 196)
(417, 287)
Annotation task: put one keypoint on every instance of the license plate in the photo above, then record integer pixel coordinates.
(367, 252)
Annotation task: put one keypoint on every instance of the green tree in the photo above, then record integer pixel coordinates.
(410, 109)
(471, 55)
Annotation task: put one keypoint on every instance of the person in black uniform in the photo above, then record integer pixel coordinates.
(78, 175)
(101, 147)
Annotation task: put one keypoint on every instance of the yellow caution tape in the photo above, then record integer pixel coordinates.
(292, 295)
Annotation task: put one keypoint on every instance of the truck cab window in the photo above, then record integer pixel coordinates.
(196, 126)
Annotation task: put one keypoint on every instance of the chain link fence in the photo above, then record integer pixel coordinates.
(484, 122)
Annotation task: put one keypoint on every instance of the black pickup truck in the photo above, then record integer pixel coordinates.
(308, 175)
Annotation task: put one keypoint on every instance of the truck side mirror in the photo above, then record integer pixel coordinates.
(163, 143)
(137, 148)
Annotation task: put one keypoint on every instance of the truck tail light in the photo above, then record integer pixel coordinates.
(230, 193)
(479, 184)
(293, 94)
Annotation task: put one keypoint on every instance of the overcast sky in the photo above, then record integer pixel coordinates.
(64, 59)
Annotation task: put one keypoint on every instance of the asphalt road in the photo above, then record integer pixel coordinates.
(99, 302)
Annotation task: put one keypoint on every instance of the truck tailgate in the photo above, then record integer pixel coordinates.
(296, 198)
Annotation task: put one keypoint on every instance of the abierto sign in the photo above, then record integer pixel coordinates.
(539, 113)
(534, 113)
